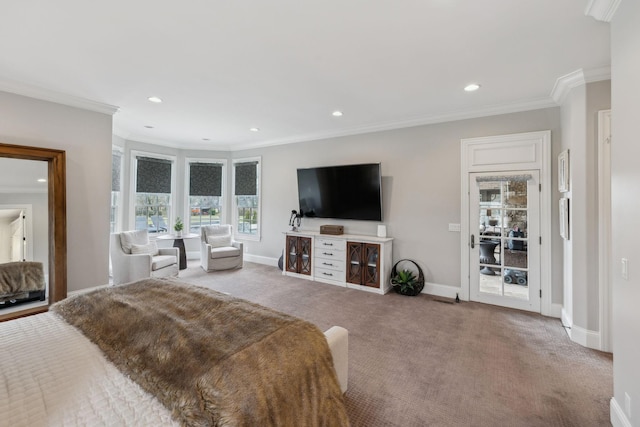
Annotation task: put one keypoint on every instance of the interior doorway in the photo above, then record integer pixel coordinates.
(504, 218)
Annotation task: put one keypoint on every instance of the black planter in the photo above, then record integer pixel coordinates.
(419, 285)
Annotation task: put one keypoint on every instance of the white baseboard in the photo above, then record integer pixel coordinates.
(258, 259)
(555, 310)
(617, 416)
(585, 337)
(567, 322)
(441, 290)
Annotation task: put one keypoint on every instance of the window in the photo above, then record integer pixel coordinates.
(205, 199)
(246, 197)
(116, 189)
(153, 193)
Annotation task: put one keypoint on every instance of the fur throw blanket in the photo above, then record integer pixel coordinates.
(17, 279)
(212, 359)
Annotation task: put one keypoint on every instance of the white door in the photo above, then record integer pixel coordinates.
(504, 224)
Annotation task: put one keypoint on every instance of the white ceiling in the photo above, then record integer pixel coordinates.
(283, 66)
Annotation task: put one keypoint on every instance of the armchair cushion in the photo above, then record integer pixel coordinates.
(161, 261)
(225, 252)
(129, 238)
(219, 241)
(150, 248)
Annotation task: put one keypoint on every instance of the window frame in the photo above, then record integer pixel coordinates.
(118, 215)
(187, 186)
(234, 204)
(133, 181)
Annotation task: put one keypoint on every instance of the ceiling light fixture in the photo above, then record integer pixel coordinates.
(337, 113)
(472, 87)
(42, 180)
(148, 127)
(154, 99)
(206, 139)
(255, 129)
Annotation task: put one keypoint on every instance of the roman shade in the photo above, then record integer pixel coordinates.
(246, 174)
(205, 179)
(154, 175)
(116, 163)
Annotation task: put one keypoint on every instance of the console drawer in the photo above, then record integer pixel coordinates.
(334, 244)
(330, 264)
(323, 273)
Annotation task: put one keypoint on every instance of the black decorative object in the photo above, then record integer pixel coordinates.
(404, 281)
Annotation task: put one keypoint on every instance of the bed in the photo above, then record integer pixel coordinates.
(159, 352)
(21, 282)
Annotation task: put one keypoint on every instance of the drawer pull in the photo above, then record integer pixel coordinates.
(327, 274)
(327, 263)
(327, 244)
(325, 253)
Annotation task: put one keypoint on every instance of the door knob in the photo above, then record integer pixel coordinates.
(473, 245)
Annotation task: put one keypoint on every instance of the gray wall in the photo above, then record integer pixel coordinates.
(421, 187)
(40, 222)
(625, 180)
(86, 138)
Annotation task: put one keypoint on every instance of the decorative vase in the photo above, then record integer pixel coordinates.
(179, 233)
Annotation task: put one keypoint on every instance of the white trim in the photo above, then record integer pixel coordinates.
(543, 139)
(439, 290)
(602, 10)
(43, 94)
(259, 259)
(555, 310)
(119, 208)
(617, 415)
(604, 228)
(585, 337)
(577, 78)
(567, 321)
(187, 185)
(132, 186)
(234, 208)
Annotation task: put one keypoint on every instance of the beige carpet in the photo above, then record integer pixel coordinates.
(414, 361)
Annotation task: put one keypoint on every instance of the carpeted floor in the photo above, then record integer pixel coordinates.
(414, 361)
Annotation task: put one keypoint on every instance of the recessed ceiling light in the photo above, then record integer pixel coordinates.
(337, 113)
(154, 99)
(42, 180)
(255, 129)
(472, 87)
(148, 127)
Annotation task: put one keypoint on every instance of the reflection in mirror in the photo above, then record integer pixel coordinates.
(24, 242)
(37, 186)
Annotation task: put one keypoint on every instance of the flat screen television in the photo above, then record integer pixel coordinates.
(341, 192)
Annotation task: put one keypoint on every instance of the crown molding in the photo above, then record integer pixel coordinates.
(580, 77)
(602, 10)
(413, 122)
(57, 97)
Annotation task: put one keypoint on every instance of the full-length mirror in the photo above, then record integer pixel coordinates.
(32, 229)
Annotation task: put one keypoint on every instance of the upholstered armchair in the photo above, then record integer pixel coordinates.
(134, 257)
(218, 249)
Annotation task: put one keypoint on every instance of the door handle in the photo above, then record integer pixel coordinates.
(473, 244)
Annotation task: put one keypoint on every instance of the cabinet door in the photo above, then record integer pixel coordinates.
(371, 267)
(304, 251)
(354, 262)
(292, 254)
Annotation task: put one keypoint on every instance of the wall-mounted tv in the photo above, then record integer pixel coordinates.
(341, 192)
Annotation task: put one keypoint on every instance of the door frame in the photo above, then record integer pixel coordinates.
(604, 227)
(505, 153)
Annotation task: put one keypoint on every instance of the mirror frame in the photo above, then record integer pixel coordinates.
(57, 201)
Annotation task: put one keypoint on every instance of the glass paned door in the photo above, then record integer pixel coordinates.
(504, 218)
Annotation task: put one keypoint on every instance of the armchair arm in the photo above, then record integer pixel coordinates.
(238, 245)
(131, 267)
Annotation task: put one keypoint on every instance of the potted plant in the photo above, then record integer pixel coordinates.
(178, 227)
(405, 281)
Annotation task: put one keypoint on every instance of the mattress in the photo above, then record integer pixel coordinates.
(53, 376)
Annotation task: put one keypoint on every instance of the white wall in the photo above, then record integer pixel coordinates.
(625, 183)
(579, 115)
(86, 138)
